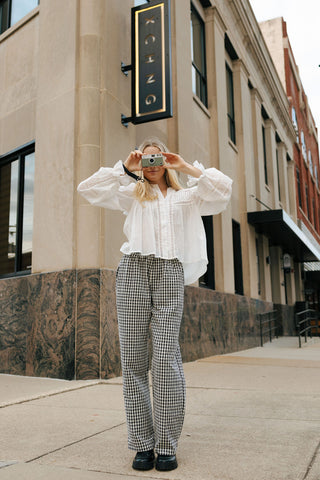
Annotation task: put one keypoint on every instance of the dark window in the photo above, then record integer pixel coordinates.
(314, 212)
(230, 104)
(16, 211)
(11, 11)
(258, 266)
(237, 258)
(278, 174)
(307, 201)
(230, 49)
(207, 280)
(299, 187)
(198, 52)
(265, 155)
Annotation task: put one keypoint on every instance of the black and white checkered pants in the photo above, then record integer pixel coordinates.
(150, 292)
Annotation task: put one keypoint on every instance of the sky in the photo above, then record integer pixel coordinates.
(303, 27)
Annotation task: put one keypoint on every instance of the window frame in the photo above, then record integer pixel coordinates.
(138, 3)
(295, 123)
(265, 156)
(19, 155)
(304, 148)
(310, 163)
(202, 75)
(306, 191)
(314, 221)
(5, 22)
(9, 15)
(299, 186)
(316, 177)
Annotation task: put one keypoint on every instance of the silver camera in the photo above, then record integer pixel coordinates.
(152, 160)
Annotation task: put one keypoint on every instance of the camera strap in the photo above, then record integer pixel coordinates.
(132, 175)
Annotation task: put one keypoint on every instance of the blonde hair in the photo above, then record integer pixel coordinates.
(143, 190)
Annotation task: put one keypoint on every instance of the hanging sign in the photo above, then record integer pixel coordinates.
(151, 62)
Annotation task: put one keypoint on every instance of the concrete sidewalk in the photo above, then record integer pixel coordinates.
(252, 415)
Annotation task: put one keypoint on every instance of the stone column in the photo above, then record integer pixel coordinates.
(224, 271)
(266, 262)
(182, 82)
(257, 146)
(292, 190)
(54, 190)
(272, 198)
(299, 283)
(246, 177)
(277, 278)
(116, 141)
(88, 239)
(291, 288)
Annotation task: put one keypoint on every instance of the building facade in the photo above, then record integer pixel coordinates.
(62, 95)
(305, 149)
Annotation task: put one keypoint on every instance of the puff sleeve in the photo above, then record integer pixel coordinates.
(108, 188)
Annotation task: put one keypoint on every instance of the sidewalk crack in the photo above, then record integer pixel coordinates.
(311, 463)
(74, 443)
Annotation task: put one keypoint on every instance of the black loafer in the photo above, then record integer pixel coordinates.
(143, 460)
(165, 463)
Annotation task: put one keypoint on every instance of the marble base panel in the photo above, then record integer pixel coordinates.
(87, 337)
(37, 325)
(215, 323)
(64, 324)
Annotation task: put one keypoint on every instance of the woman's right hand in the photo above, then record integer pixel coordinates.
(133, 162)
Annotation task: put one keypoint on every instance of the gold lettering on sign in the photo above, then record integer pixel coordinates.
(150, 20)
(150, 78)
(146, 40)
(150, 58)
(150, 87)
(150, 99)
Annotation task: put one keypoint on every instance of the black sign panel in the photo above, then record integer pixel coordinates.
(151, 62)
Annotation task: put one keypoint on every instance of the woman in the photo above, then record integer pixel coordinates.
(166, 249)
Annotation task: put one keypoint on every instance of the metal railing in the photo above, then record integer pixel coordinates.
(306, 322)
(269, 325)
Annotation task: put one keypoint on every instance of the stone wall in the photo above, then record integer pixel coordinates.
(64, 324)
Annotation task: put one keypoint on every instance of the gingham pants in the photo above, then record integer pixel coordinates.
(150, 292)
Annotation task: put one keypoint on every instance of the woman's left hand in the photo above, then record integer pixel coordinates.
(175, 162)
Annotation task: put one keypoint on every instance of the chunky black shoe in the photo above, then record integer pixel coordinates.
(143, 460)
(165, 463)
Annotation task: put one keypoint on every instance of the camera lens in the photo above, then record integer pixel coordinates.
(151, 160)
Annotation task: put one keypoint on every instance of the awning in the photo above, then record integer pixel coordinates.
(283, 232)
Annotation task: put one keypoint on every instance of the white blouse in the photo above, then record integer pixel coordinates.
(168, 227)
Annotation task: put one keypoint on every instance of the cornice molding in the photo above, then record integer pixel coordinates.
(255, 46)
(269, 123)
(255, 93)
(213, 14)
(241, 66)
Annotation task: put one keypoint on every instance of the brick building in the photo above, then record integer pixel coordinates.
(305, 148)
